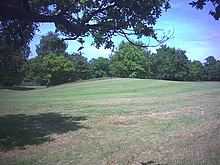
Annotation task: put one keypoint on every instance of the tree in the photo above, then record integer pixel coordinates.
(170, 64)
(212, 68)
(196, 71)
(32, 72)
(82, 71)
(100, 67)
(100, 19)
(215, 12)
(130, 61)
(14, 50)
(42, 69)
(217, 71)
(210, 61)
(51, 44)
(49, 70)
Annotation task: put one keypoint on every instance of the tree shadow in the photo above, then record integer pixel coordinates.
(19, 88)
(17, 131)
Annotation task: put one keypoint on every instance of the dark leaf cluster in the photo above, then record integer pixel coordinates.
(215, 11)
(79, 18)
(14, 51)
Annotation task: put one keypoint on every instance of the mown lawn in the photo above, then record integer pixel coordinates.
(113, 121)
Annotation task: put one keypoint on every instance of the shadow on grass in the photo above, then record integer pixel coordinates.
(17, 131)
(18, 88)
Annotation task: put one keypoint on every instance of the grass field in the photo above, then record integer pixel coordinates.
(113, 121)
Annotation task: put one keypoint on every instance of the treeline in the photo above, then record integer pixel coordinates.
(128, 61)
(53, 66)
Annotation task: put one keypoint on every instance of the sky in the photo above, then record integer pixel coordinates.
(194, 31)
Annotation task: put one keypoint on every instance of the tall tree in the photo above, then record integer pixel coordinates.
(130, 61)
(51, 44)
(212, 68)
(170, 64)
(210, 61)
(196, 71)
(82, 71)
(49, 70)
(14, 51)
(100, 67)
(100, 19)
(217, 71)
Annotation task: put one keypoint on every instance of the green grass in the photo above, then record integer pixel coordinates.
(113, 121)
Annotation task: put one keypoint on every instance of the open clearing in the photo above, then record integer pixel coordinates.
(113, 121)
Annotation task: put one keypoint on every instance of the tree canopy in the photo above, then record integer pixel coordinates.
(196, 71)
(14, 50)
(100, 67)
(82, 70)
(212, 69)
(75, 19)
(51, 44)
(215, 11)
(170, 64)
(49, 70)
(100, 19)
(130, 61)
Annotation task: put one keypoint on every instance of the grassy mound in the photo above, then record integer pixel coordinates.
(113, 121)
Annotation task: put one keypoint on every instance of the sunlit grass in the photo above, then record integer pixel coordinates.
(118, 121)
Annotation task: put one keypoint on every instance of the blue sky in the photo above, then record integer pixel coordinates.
(195, 31)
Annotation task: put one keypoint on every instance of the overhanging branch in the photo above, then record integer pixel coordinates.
(75, 27)
(163, 39)
(13, 13)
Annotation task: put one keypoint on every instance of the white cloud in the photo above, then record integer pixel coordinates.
(93, 52)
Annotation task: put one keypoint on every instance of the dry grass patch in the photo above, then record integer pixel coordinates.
(199, 144)
(120, 101)
(114, 122)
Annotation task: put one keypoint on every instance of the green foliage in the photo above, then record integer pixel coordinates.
(57, 68)
(99, 19)
(130, 61)
(51, 44)
(13, 50)
(210, 61)
(196, 71)
(100, 67)
(53, 65)
(52, 69)
(170, 64)
(212, 69)
(82, 70)
(32, 70)
(215, 11)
